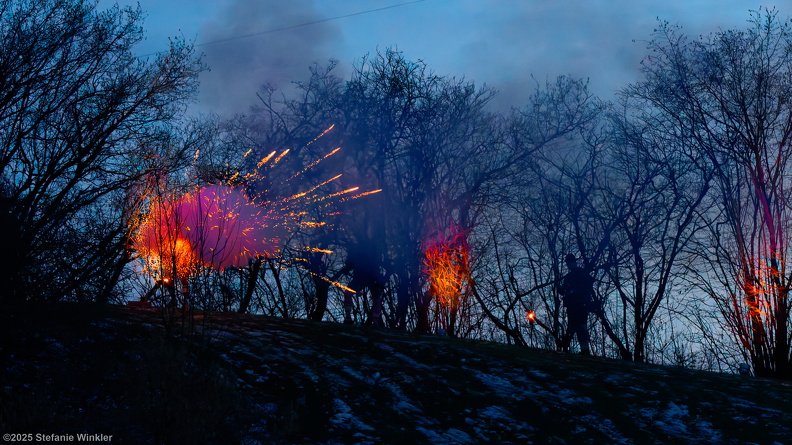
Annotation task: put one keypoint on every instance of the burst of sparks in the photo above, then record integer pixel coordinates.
(359, 195)
(265, 159)
(314, 164)
(312, 224)
(219, 226)
(323, 133)
(280, 156)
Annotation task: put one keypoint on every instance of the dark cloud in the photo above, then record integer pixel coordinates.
(277, 51)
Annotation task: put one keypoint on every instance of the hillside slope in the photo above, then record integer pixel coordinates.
(131, 374)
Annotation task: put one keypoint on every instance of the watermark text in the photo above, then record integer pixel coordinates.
(54, 438)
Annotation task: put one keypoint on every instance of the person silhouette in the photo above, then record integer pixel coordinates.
(576, 288)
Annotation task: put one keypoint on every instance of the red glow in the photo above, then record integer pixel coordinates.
(215, 226)
(167, 252)
(226, 229)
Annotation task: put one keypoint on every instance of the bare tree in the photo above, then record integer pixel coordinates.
(661, 190)
(81, 120)
(542, 188)
(418, 137)
(728, 95)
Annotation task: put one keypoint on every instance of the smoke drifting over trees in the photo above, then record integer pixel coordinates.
(239, 67)
(673, 196)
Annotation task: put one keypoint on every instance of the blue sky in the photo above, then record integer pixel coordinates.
(501, 43)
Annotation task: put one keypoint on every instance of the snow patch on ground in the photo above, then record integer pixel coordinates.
(607, 427)
(571, 398)
(344, 418)
(672, 419)
(490, 422)
(540, 374)
(502, 386)
(451, 436)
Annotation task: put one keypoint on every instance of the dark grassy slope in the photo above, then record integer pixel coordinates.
(249, 379)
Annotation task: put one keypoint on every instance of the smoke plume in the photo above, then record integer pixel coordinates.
(257, 42)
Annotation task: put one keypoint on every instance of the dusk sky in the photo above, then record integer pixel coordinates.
(501, 43)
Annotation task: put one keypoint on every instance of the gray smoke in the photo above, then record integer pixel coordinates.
(603, 41)
(509, 46)
(278, 51)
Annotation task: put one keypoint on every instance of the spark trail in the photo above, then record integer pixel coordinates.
(222, 225)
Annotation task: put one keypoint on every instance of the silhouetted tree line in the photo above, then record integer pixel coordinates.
(82, 121)
(674, 195)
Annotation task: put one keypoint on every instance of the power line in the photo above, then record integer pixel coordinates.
(245, 36)
(307, 23)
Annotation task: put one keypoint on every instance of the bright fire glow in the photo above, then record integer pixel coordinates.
(167, 253)
(447, 265)
(220, 226)
(215, 226)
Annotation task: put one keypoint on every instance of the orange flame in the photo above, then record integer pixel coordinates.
(447, 264)
(166, 253)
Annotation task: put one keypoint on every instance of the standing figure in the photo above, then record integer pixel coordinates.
(576, 288)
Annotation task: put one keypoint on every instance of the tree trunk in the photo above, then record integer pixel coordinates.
(255, 269)
(422, 303)
(322, 293)
(639, 353)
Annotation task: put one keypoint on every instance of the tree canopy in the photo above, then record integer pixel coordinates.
(674, 196)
